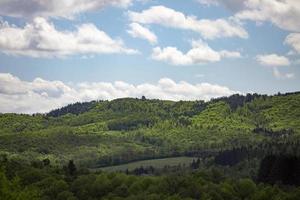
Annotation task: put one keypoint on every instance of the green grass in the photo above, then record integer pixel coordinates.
(156, 163)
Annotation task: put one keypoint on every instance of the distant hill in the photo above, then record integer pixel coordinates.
(110, 132)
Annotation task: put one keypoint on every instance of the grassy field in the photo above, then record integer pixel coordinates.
(156, 163)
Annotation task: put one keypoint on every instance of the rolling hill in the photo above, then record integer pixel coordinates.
(102, 133)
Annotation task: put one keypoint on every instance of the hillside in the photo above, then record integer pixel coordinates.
(102, 133)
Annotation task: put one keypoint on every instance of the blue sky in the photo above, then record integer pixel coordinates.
(171, 53)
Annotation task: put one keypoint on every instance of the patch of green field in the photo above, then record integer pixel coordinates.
(156, 163)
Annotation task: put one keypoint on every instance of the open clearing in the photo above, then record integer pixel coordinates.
(156, 163)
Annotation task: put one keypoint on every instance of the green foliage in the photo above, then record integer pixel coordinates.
(113, 132)
(13, 190)
(41, 156)
(203, 184)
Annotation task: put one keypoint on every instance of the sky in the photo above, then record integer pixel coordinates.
(56, 52)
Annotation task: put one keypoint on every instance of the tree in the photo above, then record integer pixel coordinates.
(72, 168)
(46, 162)
(280, 168)
(246, 188)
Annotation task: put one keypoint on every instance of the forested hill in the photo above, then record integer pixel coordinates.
(110, 132)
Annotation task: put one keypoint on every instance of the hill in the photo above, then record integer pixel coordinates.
(102, 133)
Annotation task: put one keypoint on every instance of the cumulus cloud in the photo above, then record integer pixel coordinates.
(36, 96)
(55, 8)
(209, 29)
(283, 13)
(293, 40)
(41, 39)
(138, 31)
(199, 54)
(273, 60)
(41, 95)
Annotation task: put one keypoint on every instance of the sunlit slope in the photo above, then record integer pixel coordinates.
(112, 132)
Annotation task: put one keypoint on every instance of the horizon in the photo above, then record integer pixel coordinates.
(151, 99)
(52, 56)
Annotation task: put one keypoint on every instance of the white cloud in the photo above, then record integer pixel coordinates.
(230, 54)
(38, 95)
(280, 75)
(293, 40)
(138, 31)
(209, 29)
(199, 54)
(41, 95)
(55, 8)
(283, 13)
(41, 39)
(273, 60)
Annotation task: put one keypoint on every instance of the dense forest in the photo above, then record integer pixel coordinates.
(40, 180)
(243, 147)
